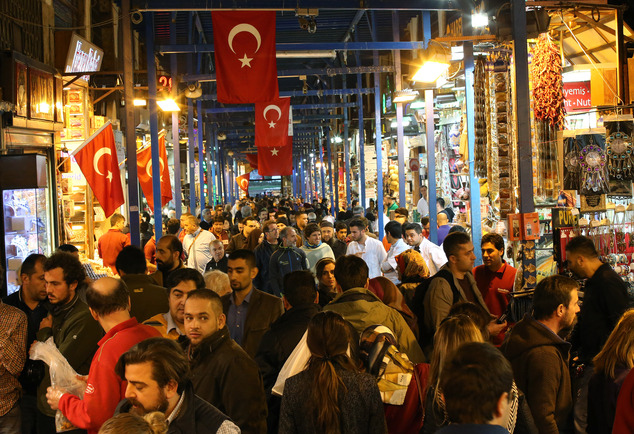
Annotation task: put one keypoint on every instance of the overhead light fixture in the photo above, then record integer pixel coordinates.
(435, 62)
(405, 95)
(312, 54)
(406, 123)
(479, 20)
(166, 102)
(140, 102)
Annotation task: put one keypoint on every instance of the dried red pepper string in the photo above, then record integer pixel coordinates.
(547, 83)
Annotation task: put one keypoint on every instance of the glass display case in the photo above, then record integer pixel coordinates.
(27, 229)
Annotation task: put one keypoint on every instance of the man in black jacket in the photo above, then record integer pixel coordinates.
(300, 301)
(604, 301)
(328, 236)
(285, 259)
(222, 373)
(263, 253)
(157, 373)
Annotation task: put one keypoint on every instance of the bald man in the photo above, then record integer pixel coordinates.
(443, 227)
(109, 303)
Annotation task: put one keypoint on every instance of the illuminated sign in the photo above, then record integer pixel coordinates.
(577, 95)
(83, 56)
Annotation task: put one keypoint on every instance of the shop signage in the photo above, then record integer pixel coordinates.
(577, 95)
(414, 164)
(563, 218)
(83, 56)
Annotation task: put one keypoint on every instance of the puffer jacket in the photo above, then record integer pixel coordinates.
(283, 261)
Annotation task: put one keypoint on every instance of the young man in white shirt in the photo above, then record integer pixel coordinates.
(366, 248)
(393, 233)
(433, 255)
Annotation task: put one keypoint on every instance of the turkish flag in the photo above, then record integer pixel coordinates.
(144, 165)
(276, 161)
(97, 159)
(243, 182)
(253, 160)
(246, 67)
(271, 122)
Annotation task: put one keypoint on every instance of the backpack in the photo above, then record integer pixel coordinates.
(426, 334)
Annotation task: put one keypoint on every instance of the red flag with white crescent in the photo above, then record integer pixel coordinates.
(246, 67)
(144, 170)
(97, 159)
(276, 161)
(271, 122)
(243, 182)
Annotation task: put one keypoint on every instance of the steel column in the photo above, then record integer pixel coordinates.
(302, 180)
(398, 85)
(191, 144)
(346, 151)
(210, 171)
(156, 164)
(178, 193)
(431, 165)
(130, 126)
(331, 178)
(201, 169)
(321, 168)
(476, 216)
(378, 141)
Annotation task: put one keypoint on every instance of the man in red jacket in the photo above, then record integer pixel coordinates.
(109, 303)
(113, 241)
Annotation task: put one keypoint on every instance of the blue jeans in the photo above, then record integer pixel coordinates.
(11, 422)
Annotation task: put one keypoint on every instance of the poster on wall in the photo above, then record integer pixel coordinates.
(42, 100)
(20, 89)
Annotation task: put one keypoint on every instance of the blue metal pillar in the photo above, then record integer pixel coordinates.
(156, 165)
(178, 192)
(191, 144)
(218, 168)
(331, 176)
(431, 165)
(398, 84)
(346, 151)
(236, 187)
(378, 141)
(302, 178)
(210, 172)
(361, 154)
(201, 160)
(476, 216)
(321, 167)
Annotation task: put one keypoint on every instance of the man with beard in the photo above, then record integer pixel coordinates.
(239, 240)
(217, 229)
(157, 373)
(604, 301)
(540, 356)
(73, 329)
(169, 251)
(235, 387)
(30, 299)
(181, 282)
(249, 311)
(328, 236)
(109, 304)
(263, 253)
(366, 248)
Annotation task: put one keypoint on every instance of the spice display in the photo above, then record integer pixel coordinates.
(503, 114)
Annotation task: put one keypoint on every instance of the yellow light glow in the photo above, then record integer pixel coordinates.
(44, 107)
(140, 102)
(430, 71)
(168, 105)
(404, 98)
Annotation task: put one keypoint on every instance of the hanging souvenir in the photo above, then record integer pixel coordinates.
(479, 84)
(572, 166)
(619, 149)
(594, 176)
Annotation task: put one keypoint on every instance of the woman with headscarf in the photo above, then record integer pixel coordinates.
(412, 270)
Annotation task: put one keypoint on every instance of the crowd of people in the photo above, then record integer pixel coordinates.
(273, 315)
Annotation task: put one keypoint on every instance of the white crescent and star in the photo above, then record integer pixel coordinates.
(272, 107)
(244, 184)
(95, 162)
(244, 27)
(148, 168)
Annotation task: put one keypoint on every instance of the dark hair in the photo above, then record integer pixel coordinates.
(401, 211)
(472, 381)
(456, 228)
(131, 260)
(477, 313)
(116, 299)
(172, 226)
(341, 225)
(327, 339)
(359, 222)
(253, 240)
(174, 244)
(29, 263)
(440, 201)
(351, 272)
(73, 270)
(282, 220)
(219, 219)
(144, 227)
(424, 221)
(209, 295)
(168, 360)
(266, 224)
(326, 224)
(116, 218)
(249, 218)
(245, 254)
(493, 238)
(299, 288)
(394, 228)
(185, 275)
(583, 246)
(310, 228)
(321, 264)
(413, 226)
(451, 244)
(550, 292)
(68, 248)
(131, 423)
(298, 213)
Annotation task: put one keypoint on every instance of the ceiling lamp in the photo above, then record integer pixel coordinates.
(405, 95)
(166, 102)
(435, 63)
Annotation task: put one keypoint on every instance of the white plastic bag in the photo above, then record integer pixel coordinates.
(296, 363)
(62, 374)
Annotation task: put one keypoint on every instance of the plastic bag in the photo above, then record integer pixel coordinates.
(296, 363)
(62, 374)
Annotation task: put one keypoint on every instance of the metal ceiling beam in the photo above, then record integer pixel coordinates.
(311, 46)
(282, 5)
(250, 108)
(597, 24)
(323, 92)
(297, 72)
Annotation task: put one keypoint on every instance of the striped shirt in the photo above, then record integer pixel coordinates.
(13, 328)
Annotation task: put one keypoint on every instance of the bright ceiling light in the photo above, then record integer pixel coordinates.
(405, 95)
(479, 20)
(140, 102)
(168, 105)
(435, 63)
(417, 105)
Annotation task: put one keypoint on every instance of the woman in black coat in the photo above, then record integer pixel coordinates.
(331, 395)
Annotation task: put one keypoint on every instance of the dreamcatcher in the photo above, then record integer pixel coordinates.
(572, 164)
(619, 151)
(594, 176)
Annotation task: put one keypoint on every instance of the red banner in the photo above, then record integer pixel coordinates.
(246, 67)
(243, 182)
(97, 160)
(144, 166)
(276, 161)
(253, 160)
(271, 123)
(577, 96)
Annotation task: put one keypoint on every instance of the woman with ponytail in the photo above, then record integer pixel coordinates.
(331, 395)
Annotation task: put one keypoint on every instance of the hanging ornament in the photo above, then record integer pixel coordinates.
(619, 152)
(594, 177)
(572, 167)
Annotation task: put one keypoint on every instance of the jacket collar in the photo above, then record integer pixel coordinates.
(57, 310)
(209, 344)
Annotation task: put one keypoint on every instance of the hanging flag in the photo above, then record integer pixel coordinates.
(276, 161)
(246, 67)
(271, 122)
(97, 159)
(253, 160)
(243, 182)
(144, 170)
